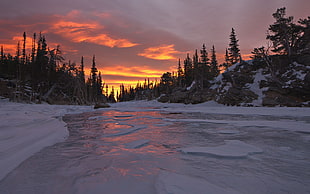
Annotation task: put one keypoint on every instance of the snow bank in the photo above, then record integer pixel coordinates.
(169, 182)
(27, 128)
(231, 149)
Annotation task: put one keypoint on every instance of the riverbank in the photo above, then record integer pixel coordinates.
(27, 128)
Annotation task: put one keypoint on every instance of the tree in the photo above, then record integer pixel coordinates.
(24, 49)
(214, 64)
(204, 55)
(180, 74)
(303, 44)
(234, 51)
(188, 70)
(284, 34)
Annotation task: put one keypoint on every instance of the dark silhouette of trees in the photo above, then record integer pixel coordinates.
(234, 51)
(43, 75)
(214, 68)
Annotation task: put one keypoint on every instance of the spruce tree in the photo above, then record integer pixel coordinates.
(24, 49)
(214, 63)
(188, 70)
(234, 51)
(204, 55)
(180, 74)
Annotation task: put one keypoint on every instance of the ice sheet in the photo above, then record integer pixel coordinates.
(231, 149)
(169, 182)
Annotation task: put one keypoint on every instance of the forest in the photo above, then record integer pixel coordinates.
(45, 76)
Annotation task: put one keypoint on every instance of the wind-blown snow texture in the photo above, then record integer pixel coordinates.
(27, 128)
(150, 147)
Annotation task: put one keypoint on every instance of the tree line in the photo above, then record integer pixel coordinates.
(43, 75)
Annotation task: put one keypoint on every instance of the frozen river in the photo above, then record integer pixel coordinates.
(153, 150)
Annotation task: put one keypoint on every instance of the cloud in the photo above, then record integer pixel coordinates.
(88, 32)
(130, 72)
(163, 52)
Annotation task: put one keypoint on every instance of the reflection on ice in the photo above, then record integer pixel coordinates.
(154, 151)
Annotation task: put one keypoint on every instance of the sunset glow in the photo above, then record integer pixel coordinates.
(164, 52)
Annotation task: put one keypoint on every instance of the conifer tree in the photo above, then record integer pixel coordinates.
(214, 63)
(24, 49)
(188, 70)
(284, 34)
(2, 54)
(33, 50)
(180, 74)
(234, 51)
(204, 55)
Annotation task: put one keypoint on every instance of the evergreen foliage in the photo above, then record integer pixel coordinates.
(234, 51)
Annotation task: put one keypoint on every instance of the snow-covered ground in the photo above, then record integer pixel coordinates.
(151, 147)
(27, 128)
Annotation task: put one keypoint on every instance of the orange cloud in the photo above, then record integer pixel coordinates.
(137, 72)
(164, 52)
(130, 72)
(87, 32)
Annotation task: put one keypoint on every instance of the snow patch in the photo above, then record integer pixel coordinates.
(255, 87)
(191, 86)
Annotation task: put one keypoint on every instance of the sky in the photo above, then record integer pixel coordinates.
(137, 39)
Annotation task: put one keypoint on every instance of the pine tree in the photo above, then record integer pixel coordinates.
(188, 70)
(234, 51)
(284, 34)
(214, 63)
(204, 55)
(33, 50)
(303, 43)
(180, 74)
(2, 54)
(195, 66)
(24, 49)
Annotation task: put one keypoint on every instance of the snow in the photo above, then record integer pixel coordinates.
(169, 182)
(191, 86)
(27, 128)
(255, 87)
(231, 149)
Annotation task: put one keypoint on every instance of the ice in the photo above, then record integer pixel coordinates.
(173, 183)
(228, 131)
(208, 148)
(302, 127)
(231, 149)
(137, 143)
(125, 131)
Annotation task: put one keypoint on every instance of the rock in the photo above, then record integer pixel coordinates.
(101, 105)
(163, 99)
